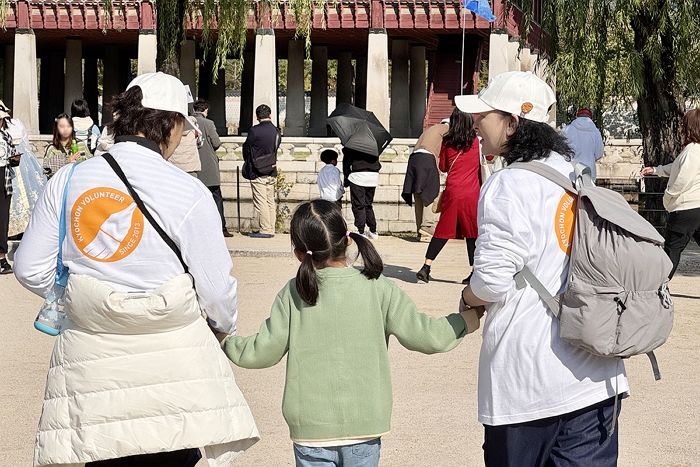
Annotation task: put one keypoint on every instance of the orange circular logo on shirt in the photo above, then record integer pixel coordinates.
(105, 224)
(564, 222)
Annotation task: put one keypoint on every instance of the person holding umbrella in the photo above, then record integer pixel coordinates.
(363, 138)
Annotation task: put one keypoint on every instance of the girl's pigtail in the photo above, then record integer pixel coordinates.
(306, 280)
(373, 265)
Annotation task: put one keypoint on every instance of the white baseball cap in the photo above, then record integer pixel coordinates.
(519, 93)
(164, 92)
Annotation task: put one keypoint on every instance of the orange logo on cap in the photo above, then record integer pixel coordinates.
(526, 108)
(564, 222)
(105, 224)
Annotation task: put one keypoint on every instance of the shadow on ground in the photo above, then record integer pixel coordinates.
(408, 275)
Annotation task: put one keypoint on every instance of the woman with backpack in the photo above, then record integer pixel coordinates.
(541, 399)
(682, 195)
(460, 160)
(86, 131)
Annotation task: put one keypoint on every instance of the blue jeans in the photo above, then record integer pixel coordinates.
(576, 439)
(355, 455)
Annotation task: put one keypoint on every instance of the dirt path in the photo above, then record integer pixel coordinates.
(434, 421)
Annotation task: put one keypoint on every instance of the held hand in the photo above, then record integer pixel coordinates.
(646, 171)
(472, 318)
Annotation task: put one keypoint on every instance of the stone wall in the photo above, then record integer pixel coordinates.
(299, 163)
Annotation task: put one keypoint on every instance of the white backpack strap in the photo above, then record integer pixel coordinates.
(527, 277)
(551, 174)
(583, 175)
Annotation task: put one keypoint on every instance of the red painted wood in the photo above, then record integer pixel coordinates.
(421, 16)
(377, 14)
(147, 16)
(333, 20)
(406, 17)
(391, 16)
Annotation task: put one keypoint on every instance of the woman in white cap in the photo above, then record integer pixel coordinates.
(137, 376)
(542, 401)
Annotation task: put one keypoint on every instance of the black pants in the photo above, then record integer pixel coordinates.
(219, 200)
(361, 198)
(437, 244)
(4, 213)
(680, 228)
(577, 439)
(182, 458)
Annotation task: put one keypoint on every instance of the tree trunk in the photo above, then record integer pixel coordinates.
(171, 32)
(660, 108)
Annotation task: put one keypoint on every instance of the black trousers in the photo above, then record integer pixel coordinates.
(437, 244)
(182, 458)
(680, 228)
(219, 200)
(361, 198)
(4, 213)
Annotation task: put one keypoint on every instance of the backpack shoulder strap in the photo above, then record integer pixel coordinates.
(551, 174)
(137, 199)
(527, 277)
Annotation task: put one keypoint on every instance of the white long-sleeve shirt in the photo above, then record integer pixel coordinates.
(109, 239)
(683, 189)
(526, 371)
(330, 183)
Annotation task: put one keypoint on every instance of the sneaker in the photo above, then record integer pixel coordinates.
(5, 267)
(227, 234)
(424, 274)
(372, 235)
(260, 235)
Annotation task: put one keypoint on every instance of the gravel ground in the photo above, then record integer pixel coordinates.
(434, 421)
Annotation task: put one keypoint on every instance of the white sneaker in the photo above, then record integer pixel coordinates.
(371, 235)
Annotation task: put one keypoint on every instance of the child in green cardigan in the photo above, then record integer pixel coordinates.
(334, 323)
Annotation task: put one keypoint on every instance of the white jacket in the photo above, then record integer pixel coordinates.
(136, 373)
(683, 189)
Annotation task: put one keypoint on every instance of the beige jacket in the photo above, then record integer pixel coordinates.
(431, 139)
(683, 189)
(186, 155)
(138, 373)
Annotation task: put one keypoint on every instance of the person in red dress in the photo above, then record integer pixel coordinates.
(459, 158)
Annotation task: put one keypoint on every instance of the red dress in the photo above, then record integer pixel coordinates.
(461, 196)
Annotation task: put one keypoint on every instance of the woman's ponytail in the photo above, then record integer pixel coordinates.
(373, 265)
(306, 280)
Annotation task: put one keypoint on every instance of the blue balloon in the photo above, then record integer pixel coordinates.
(480, 8)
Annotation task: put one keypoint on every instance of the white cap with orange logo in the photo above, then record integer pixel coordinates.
(519, 93)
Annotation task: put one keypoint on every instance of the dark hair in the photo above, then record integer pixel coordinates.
(461, 133)
(534, 140)
(329, 155)
(79, 108)
(691, 126)
(318, 227)
(200, 105)
(263, 111)
(56, 142)
(134, 118)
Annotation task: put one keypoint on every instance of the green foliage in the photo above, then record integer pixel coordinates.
(282, 189)
(607, 53)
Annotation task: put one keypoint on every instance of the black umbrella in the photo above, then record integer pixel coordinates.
(359, 129)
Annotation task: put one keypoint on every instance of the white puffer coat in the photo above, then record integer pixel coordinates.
(137, 373)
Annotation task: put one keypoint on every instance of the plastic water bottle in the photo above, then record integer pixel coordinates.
(74, 148)
(52, 314)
